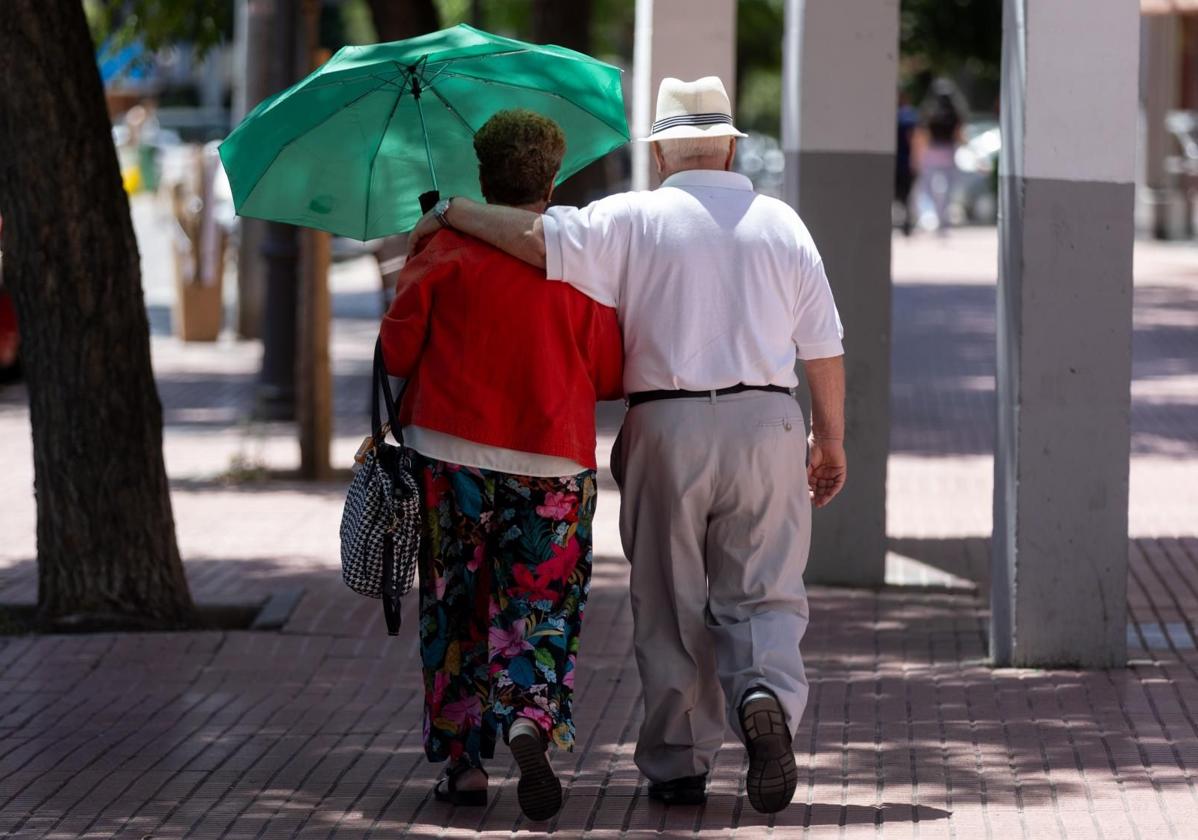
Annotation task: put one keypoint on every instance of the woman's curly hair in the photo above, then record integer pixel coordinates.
(519, 153)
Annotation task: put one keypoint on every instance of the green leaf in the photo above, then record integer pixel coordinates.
(157, 23)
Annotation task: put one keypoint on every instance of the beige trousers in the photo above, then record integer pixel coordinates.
(716, 522)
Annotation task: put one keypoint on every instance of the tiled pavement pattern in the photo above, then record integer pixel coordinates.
(314, 731)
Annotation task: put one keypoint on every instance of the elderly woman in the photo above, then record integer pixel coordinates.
(503, 373)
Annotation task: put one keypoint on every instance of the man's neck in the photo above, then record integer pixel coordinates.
(534, 207)
(701, 167)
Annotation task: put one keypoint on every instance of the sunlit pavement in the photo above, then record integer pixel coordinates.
(314, 730)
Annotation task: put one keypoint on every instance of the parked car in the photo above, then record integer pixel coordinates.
(10, 339)
(977, 165)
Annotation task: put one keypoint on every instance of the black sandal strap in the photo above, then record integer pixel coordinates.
(446, 788)
(451, 774)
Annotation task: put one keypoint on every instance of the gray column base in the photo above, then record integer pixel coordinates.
(1059, 594)
(845, 198)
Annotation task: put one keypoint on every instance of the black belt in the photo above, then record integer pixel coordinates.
(649, 396)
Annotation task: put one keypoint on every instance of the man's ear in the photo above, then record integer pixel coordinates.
(731, 155)
(657, 157)
(552, 185)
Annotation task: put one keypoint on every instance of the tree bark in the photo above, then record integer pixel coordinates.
(314, 378)
(394, 21)
(569, 25)
(106, 539)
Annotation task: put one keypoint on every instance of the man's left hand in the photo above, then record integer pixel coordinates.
(826, 471)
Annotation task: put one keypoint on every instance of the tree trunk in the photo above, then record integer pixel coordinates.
(106, 538)
(569, 25)
(394, 21)
(314, 377)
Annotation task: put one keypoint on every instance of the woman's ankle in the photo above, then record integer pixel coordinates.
(524, 726)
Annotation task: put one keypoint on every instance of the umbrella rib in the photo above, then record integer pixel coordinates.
(452, 109)
(287, 145)
(541, 91)
(442, 62)
(338, 82)
(374, 157)
(536, 49)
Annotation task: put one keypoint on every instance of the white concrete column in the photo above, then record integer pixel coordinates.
(686, 39)
(838, 132)
(1067, 197)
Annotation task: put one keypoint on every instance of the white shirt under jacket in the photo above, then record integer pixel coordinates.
(715, 285)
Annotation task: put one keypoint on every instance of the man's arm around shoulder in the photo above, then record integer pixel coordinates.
(520, 233)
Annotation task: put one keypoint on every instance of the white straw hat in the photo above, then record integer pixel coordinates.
(692, 109)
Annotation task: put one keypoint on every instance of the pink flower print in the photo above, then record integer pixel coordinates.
(439, 585)
(557, 505)
(568, 679)
(480, 554)
(537, 716)
(466, 712)
(440, 683)
(508, 643)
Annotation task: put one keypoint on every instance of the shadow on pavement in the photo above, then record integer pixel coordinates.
(215, 734)
(943, 363)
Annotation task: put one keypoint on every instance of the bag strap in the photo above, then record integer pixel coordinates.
(380, 382)
(391, 607)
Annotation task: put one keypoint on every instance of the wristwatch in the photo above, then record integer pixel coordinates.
(440, 209)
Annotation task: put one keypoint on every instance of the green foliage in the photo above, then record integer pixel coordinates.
(503, 17)
(157, 23)
(357, 23)
(612, 23)
(951, 37)
(759, 26)
(759, 106)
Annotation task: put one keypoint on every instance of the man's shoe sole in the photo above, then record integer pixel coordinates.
(773, 774)
(539, 791)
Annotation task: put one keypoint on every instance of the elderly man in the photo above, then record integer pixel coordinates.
(717, 289)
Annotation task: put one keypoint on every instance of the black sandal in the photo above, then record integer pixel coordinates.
(446, 789)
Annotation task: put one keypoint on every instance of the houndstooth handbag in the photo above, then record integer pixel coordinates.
(381, 524)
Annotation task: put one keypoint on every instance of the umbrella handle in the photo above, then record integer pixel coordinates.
(428, 200)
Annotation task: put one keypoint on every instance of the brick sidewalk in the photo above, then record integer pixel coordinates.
(314, 731)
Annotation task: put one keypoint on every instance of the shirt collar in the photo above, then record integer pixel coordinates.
(709, 178)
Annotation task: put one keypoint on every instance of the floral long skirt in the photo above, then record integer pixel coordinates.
(504, 577)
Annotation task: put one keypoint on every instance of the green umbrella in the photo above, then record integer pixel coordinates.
(351, 147)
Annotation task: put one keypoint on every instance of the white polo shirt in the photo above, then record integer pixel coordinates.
(715, 285)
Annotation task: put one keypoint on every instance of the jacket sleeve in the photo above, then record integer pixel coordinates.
(406, 324)
(606, 353)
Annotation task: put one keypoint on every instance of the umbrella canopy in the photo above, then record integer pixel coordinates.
(350, 148)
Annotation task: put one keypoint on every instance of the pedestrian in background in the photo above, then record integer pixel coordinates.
(904, 164)
(943, 119)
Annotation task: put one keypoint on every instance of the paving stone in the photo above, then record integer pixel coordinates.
(313, 730)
